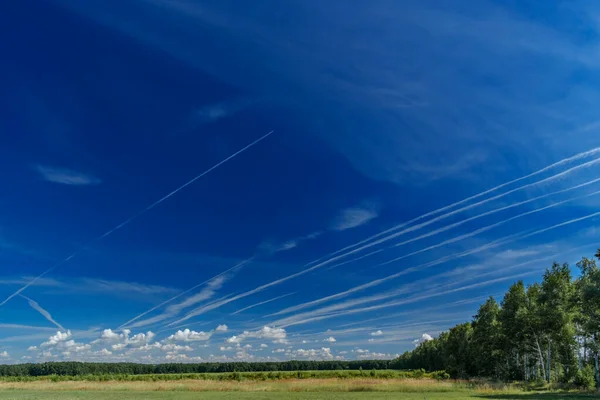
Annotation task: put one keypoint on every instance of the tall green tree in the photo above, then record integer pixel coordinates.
(515, 332)
(589, 300)
(485, 340)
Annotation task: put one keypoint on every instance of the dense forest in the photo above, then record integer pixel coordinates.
(545, 331)
(85, 368)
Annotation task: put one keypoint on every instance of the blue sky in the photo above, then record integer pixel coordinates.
(194, 180)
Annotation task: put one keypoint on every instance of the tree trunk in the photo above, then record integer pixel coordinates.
(597, 371)
(548, 361)
(540, 355)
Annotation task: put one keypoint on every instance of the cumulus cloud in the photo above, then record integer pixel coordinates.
(323, 353)
(221, 328)
(424, 338)
(182, 358)
(55, 339)
(32, 348)
(278, 335)
(66, 176)
(330, 339)
(377, 333)
(4, 354)
(264, 346)
(352, 218)
(187, 335)
(174, 348)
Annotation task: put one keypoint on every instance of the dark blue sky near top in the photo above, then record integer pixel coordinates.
(381, 112)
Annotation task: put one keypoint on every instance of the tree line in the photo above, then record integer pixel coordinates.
(90, 368)
(548, 331)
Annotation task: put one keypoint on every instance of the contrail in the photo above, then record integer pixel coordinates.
(329, 312)
(45, 313)
(498, 242)
(387, 238)
(439, 210)
(262, 302)
(138, 214)
(238, 265)
(290, 322)
(448, 227)
(335, 258)
(258, 289)
(484, 229)
(441, 217)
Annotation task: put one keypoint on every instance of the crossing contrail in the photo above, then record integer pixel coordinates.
(138, 214)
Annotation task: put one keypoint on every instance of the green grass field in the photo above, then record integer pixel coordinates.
(126, 395)
(290, 389)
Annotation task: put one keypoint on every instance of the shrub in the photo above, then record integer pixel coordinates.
(440, 375)
(584, 379)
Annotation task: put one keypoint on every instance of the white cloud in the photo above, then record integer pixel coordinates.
(264, 346)
(330, 339)
(103, 352)
(190, 336)
(228, 348)
(140, 339)
(4, 354)
(376, 356)
(352, 218)
(221, 328)
(55, 339)
(110, 335)
(66, 176)
(377, 333)
(279, 351)
(424, 338)
(277, 334)
(312, 354)
(32, 348)
(182, 358)
(175, 348)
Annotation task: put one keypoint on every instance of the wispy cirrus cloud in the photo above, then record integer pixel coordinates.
(33, 304)
(66, 176)
(353, 217)
(214, 112)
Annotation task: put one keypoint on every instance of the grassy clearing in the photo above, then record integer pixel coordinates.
(308, 389)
